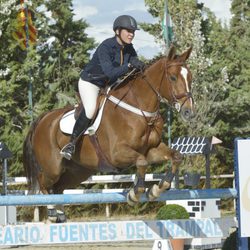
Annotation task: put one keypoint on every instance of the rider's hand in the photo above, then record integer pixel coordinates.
(135, 63)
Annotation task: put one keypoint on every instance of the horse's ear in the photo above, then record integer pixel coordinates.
(171, 52)
(185, 55)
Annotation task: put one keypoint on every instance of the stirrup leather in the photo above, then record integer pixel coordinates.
(68, 150)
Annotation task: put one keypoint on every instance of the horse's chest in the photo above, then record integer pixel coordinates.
(152, 139)
(151, 136)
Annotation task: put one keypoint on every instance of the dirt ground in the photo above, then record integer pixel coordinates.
(145, 245)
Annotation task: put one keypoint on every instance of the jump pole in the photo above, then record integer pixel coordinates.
(101, 198)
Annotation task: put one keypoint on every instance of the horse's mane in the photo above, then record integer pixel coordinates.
(140, 73)
(157, 58)
(154, 60)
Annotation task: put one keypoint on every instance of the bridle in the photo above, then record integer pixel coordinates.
(175, 103)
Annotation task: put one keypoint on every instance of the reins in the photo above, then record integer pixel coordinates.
(174, 104)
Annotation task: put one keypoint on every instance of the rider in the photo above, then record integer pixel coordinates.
(113, 58)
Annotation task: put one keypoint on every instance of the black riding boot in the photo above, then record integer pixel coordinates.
(82, 123)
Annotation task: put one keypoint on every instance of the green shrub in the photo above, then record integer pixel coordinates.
(172, 212)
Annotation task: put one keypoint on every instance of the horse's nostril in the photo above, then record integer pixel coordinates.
(186, 114)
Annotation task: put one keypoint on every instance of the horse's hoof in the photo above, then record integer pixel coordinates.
(61, 218)
(132, 198)
(164, 186)
(48, 221)
(150, 196)
(130, 201)
(52, 212)
(52, 219)
(153, 193)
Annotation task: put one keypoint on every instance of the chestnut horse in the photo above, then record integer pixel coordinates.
(125, 137)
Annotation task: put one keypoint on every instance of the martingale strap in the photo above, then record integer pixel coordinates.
(132, 108)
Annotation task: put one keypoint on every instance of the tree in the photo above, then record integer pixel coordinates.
(13, 81)
(64, 56)
(51, 67)
(236, 113)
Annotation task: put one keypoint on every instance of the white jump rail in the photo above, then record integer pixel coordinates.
(106, 179)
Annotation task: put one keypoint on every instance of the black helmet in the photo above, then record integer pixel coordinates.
(126, 22)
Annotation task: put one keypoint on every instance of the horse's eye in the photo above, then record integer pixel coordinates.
(173, 78)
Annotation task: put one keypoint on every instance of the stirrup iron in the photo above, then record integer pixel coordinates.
(68, 150)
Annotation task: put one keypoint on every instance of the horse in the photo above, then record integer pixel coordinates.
(128, 135)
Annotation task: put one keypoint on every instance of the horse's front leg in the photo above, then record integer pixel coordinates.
(138, 188)
(163, 154)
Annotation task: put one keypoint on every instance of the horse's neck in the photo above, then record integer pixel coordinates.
(141, 91)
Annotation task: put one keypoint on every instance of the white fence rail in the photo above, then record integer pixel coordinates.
(105, 179)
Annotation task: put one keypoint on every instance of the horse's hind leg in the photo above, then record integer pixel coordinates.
(55, 213)
(72, 177)
(162, 154)
(46, 180)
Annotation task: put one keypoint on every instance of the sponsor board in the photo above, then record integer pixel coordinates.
(87, 232)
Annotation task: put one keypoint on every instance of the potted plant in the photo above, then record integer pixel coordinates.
(173, 212)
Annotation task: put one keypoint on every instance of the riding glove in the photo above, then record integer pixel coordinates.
(135, 63)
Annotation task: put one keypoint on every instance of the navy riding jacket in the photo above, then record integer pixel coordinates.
(105, 65)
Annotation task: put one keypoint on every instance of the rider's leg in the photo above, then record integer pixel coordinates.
(89, 93)
(82, 123)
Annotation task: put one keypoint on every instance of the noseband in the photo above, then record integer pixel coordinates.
(176, 99)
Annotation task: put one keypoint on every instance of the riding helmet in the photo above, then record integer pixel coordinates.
(125, 22)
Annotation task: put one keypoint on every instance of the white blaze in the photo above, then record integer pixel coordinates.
(184, 73)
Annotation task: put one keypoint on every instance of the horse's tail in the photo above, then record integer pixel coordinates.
(30, 163)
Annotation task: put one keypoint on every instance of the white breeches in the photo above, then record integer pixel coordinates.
(88, 93)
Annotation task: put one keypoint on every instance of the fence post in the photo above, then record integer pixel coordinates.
(8, 213)
(107, 208)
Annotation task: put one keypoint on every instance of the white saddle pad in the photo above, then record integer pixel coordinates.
(67, 122)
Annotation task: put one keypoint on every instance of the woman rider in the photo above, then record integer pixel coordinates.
(113, 58)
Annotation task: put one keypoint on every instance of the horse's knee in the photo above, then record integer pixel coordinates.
(177, 157)
(141, 162)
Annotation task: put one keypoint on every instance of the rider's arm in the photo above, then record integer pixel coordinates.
(112, 72)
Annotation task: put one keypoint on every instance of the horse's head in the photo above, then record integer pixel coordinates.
(175, 87)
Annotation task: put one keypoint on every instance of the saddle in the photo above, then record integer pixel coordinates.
(68, 120)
